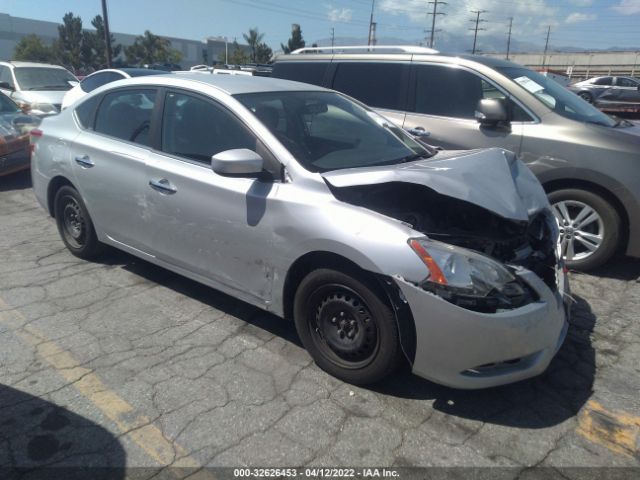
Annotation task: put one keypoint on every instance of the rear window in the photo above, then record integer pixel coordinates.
(376, 84)
(86, 110)
(306, 72)
(98, 79)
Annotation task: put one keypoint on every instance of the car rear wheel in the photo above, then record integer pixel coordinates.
(586, 96)
(75, 225)
(346, 328)
(589, 227)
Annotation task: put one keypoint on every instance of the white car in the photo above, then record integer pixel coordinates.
(102, 77)
(37, 88)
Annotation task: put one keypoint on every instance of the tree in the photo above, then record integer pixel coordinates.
(253, 39)
(263, 53)
(237, 56)
(150, 48)
(99, 46)
(68, 47)
(296, 41)
(31, 48)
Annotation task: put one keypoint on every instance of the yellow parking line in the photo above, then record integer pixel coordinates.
(618, 431)
(135, 426)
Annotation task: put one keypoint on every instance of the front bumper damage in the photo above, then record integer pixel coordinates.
(465, 349)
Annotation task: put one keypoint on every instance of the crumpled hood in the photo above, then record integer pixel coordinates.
(490, 178)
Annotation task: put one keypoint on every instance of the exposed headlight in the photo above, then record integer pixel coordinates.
(469, 279)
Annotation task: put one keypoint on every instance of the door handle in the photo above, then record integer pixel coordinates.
(163, 186)
(418, 132)
(84, 161)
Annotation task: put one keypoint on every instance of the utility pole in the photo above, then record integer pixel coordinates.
(373, 3)
(477, 27)
(546, 46)
(332, 36)
(373, 33)
(107, 34)
(509, 37)
(433, 20)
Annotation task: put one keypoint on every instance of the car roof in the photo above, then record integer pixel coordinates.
(33, 64)
(230, 84)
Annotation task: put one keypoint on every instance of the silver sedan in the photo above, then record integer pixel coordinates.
(306, 203)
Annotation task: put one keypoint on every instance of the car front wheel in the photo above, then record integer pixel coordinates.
(75, 225)
(348, 330)
(589, 227)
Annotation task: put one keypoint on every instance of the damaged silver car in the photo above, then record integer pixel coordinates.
(305, 203)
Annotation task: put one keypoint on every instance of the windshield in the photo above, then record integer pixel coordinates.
(326, 131)
(7, 105)
(556, 97)
(43, 78)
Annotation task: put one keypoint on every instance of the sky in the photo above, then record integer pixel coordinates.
(591, 24)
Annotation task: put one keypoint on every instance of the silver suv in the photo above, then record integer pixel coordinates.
(308, 204)
(38, 88)
(588, 162)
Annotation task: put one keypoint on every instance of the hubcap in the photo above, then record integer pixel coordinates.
(344, 327)
(581, 229)
(73, 222)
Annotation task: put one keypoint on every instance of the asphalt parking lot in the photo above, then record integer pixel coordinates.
(123, 364)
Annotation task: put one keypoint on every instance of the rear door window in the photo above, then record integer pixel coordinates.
(306, 72)
(380, 85)
(603, 81)
(126, 114)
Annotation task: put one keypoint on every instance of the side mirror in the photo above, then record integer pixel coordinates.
(491, 112)
(239, 161)
(6, 86)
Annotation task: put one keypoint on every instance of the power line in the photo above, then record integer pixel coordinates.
(477, 27)
(433, 19)
(509, 36)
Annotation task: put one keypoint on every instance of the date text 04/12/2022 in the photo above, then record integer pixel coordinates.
(316, 472)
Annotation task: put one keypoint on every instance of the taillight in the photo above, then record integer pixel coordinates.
(36, 133)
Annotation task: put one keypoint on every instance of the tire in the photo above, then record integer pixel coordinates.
(586, 96)
(75, 225)
(346, 328)
(584, 236)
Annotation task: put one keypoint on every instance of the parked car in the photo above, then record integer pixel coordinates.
(586, 160)
(102, 77)
(38, 88)
(15, 151)
(305, 203)
(609, 92)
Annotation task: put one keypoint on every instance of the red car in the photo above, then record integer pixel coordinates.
(15, 126)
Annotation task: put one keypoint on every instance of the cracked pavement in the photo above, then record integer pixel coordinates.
(124, 364)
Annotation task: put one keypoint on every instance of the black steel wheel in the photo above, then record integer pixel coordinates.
(75, 225)
(348, 330)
